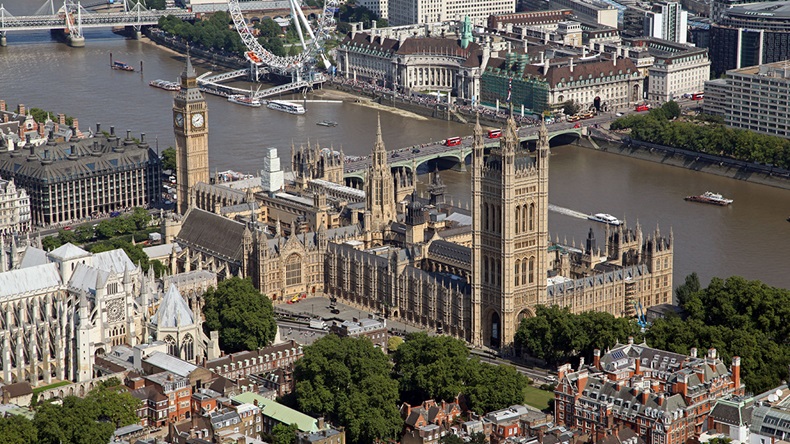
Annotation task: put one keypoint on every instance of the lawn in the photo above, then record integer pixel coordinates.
(38, 390)
(537, 398)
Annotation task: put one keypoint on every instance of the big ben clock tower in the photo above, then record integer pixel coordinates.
(190, 125)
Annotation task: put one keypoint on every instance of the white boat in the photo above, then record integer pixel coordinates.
(242, 99)
(288, 107)
(604, 218)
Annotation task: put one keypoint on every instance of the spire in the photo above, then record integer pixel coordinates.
(189, 71)
(379, 140)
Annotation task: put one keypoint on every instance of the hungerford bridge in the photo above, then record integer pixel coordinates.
(71, 18)
(410, 158)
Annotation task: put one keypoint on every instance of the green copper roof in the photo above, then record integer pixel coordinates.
(279, 412)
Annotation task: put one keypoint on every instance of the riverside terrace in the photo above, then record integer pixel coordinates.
(354, 171)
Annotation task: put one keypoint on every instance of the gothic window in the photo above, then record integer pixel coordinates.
(498, 219)
(518, 268)
(531, 269)
(523, 272)
(518, 219)
(524, 218)
(189, 348)
(293, 270)
(499, 272)
(485, 265)
(172, 348)
(531, 216)
(485, 216)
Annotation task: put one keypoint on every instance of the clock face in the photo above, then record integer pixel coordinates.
(180, 119)
(197, 120)
(115, 311)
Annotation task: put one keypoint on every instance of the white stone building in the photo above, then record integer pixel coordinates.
(14, 208)
(62, 308)
(667, 21)
(409, 12)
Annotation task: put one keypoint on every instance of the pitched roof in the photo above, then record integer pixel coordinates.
(87, 278)
(114, 260)
(442, 249)
(173, 310)
(29, 280)
(279, 412)
(33, 257)
(68, 252)
(170, 364)
(213, 233)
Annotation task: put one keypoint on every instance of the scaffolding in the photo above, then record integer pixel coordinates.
(525, 89)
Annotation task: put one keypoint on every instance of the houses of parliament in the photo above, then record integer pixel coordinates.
(471, 273)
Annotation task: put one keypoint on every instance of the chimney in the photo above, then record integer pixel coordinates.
(711, 353)
(321, 425)
(571, 64)
(637, 369)
(98, 128)
(693, 352)
(614, 60)
(645, 396)
(655, 386)
(736, 371)
(660, 399)
(584, 51)
(597, 358)
(5, 118)
(581, 363)
(2, 105)
(255, 403)
(112, 131)
(630, 339)
(563, 370)
(546, 66)
(408, 409)
(61, 119)
(22, 109)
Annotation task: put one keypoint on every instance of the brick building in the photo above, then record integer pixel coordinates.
(664, 397)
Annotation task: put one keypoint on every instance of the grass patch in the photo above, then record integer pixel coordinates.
(537, 398)
(38, 390)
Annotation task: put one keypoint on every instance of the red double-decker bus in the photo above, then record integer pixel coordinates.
(697, 96)
(452, 141)
(640, 108)
(494, 134)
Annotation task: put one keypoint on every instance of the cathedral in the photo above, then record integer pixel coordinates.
(474, 274)
(64, 307)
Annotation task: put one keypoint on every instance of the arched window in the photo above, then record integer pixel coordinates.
(531, 270)
(531, 216)
(485, 216)
(518, 217)
(189, 348)
(524, 218)
(517, 270)
(523, 272)
(293, 270)
(172, 347)
(499, 271)
(485, 266)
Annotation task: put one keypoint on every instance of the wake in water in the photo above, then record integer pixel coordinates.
(567, 212)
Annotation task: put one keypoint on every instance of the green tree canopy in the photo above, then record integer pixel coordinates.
(738, 318)
(284, 434)
(348, 381)
(556, 335)
(242, 315)
(440, 367)
(18, 430)
(169, 159)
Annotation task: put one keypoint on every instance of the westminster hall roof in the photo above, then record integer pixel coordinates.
(213, 233)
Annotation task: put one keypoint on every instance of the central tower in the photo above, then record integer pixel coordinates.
(509, 234)
(379, 191)
(190, 125)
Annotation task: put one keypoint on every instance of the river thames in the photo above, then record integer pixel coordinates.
(749, 238)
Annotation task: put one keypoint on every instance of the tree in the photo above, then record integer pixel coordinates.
(348, 381)
(284, 434)
(570, 107)
(494, 387)
(76, 421)
(690, 287)
(478, 438)
(115, 404)
(242, 315)
(393, 343)
(18, 430)
(169, 159)
(431, 367)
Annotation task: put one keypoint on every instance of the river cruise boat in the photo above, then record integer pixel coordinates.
(164, 84)
(121, 66)
(241, 99)
(604, 218)
(287, 107)
(709, 197)
(326, 123)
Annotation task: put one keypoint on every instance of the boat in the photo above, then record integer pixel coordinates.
(121, 66)
(164, 84)
(326, 123)
(242, 99)
(710, 198)
(288, 107)
(604, 218)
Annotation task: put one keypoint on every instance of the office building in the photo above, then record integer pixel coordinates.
(667, 21)
(409, 12)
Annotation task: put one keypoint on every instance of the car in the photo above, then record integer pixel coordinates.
(415, 150)
(395, 155)
(619, 114)
(334, 311)
(577, 125)
(67, 228)
(551, 379)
